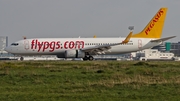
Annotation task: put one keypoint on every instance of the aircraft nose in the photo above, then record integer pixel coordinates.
(7, 49)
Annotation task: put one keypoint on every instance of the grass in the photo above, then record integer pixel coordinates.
(89, 81)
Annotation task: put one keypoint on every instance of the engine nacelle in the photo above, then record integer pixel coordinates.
(74, 54)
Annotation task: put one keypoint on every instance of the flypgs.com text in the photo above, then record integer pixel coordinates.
(42, 46)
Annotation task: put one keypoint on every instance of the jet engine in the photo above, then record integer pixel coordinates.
(74, 54)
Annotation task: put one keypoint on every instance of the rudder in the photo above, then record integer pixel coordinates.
(154, 28)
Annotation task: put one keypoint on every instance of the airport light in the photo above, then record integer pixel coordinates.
(131, 28)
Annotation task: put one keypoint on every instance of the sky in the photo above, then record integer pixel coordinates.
(84, 18)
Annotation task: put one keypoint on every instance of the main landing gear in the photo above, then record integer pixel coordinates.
(88, 57)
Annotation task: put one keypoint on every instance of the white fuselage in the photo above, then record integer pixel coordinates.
(55, 46)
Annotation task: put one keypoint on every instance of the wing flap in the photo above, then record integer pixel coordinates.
(101, 48)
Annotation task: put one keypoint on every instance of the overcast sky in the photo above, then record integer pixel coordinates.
(85, 18)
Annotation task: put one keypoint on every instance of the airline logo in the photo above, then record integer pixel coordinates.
(153, 22)
(42, 46)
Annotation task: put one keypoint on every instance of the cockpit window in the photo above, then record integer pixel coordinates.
(15, 44)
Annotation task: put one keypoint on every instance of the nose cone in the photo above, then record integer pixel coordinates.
(7, 49)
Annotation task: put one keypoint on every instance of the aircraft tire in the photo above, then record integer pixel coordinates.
(21, 58)
(91, 58)
(85, 58)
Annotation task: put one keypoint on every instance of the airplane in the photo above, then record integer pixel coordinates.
(85, 48)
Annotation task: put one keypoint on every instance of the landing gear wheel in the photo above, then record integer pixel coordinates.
(21, 58)
(85, 58)
(91, 58)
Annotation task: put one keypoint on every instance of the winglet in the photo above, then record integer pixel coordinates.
(127, 38)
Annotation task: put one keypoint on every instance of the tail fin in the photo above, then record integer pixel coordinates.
(154, 27)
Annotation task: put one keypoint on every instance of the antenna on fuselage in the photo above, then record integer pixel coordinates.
(24, 37)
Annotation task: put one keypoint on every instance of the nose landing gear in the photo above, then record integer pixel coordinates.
(21, 58)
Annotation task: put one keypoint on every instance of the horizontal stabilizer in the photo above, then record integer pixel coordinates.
(163, 39)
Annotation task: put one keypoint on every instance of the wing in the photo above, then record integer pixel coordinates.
(104, 48)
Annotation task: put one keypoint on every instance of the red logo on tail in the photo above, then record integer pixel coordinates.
(153, 22)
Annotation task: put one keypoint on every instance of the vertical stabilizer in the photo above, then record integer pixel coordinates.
(154, 27)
